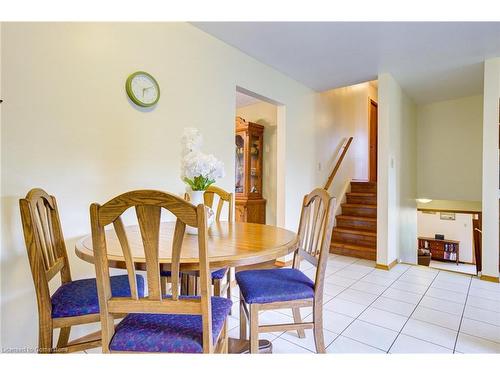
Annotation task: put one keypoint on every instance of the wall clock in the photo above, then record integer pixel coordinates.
(142, 89)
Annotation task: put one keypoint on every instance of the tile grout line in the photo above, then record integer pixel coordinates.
(489, 299)
(434, 309)
(281, 334)
(435, 324)
(462, 317)
(409, 317)
(482, 321)
(479, 337)
(430, 342)
(485, 308)
(448, 290)
(417, 305)
(345, 288)
(433, 281)
(356, 318)
(398, 278)
(364, 343)
(444, 312)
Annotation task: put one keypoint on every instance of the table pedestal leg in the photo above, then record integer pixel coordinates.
(189, 285)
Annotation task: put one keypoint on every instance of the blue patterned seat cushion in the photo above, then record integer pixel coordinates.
(79, 297)
(272, 285)
(217, 275)
(168, 333)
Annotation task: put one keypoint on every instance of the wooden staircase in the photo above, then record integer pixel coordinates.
(355, 233)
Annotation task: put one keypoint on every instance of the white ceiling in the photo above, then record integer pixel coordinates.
(431, 61)
(242, 100)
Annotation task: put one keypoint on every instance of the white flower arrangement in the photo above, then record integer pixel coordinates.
(198, 170)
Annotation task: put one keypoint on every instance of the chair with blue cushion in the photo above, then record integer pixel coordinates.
(285, 288)
(75, 301)
(159, 323)
(218, 276)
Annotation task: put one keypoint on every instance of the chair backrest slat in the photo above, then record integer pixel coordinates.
(320, 213)
(129, 262)
(179, 231)
(149, 224)
(44, 234)
(315, 232)
(304, 226)
(315, 211)
(220, 205)
(148, 205)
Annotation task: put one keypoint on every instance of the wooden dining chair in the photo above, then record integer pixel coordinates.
(285, 288)
(75, 302)
(212, 191)
(218, 276)
(159, 323)
(224, 196)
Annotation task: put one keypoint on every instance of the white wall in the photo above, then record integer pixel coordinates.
(459, 229)
(266, 114)
(450, 149)
(1, 163)
(491, 238)
(397, 169)
(67, 126)
(342, 113)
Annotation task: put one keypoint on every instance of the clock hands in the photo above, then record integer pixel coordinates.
(146, 88)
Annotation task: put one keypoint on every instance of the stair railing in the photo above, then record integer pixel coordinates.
(344, 149)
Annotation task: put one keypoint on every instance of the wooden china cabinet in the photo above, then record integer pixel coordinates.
(250, 206)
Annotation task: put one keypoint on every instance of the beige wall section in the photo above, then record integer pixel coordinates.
(266, 114)
(68, 127)
(342, 113)
(450, 149)
(397, 172)
(1, 201)
(491, 196)
(459, 229)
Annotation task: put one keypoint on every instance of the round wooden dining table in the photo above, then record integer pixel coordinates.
(230, 244)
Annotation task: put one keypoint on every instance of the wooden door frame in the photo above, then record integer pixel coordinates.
(477, 253)
(370, 177)
(477, 224)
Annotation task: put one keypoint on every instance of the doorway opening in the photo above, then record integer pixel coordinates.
(258, 166)
(447, 240)
(350, 117)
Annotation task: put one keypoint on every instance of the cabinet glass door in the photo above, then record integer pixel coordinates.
(255, 163)
(240, 164)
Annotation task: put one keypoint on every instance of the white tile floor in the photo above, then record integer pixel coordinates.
(450, 266)
(409, 309)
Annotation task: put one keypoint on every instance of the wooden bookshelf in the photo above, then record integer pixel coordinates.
(443, 250)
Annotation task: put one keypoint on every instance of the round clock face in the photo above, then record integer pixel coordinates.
(142, 89)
